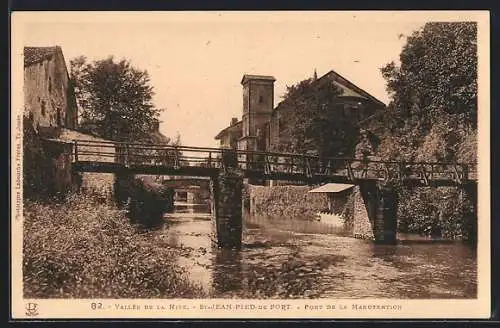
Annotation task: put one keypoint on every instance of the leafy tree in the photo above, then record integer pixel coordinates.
(434, 91)
(433, 117)
(115, 98)
(313, 121)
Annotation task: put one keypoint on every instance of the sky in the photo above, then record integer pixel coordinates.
(196, 59)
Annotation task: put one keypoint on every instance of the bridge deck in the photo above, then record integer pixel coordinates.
(114, 157)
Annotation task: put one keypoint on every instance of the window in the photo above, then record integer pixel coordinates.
(261, 99)
(50, 84)
(59, 118)
(43, 107)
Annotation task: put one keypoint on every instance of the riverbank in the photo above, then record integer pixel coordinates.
(83, 248)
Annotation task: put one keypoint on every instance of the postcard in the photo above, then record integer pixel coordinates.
(266, 164)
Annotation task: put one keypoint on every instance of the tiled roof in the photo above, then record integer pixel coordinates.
(349, 89)
(33, 55)
(235, 127)
(248, 77)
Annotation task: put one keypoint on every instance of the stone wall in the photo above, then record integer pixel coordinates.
(63, 179)
(361, 224)
(374, 212)
(284, 201)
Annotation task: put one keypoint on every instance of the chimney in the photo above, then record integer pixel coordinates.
(156, 126)
(234, 120)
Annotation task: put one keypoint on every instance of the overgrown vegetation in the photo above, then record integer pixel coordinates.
(82, 248)
(144, 199)
(443, 212)
(433, 117)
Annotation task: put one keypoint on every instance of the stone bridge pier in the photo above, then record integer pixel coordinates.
(226, 190)
(375, 212)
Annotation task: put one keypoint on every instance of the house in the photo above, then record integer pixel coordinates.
(229, 136)
(264, 127)
(49, 98)
(353, 104)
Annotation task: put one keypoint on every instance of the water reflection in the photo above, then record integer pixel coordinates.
(284, 258)
(227, 270)
(384, 252)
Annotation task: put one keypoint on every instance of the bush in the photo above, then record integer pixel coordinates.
(440, 212)
(145, 200)
(84, 249)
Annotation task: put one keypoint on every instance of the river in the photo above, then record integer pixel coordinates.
(283, 258)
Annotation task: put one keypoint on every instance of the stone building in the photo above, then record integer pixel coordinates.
(49, 96)
(229, 136)
(49, 107)
(264, 126)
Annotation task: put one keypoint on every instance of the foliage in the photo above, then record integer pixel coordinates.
(433, 117)
(144, 199)
(314, 124)
(434, 90)
(84, 249)
(115, 98)
(444, 212)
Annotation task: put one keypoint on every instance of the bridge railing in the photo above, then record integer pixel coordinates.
(270, 163)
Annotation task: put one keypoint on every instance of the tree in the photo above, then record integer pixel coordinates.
(433, 117)
(434, 91)
(315, 126)
(115, 98)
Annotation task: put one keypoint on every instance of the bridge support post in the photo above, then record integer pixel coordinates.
(377, 219)
(122, 186)
(226, 198)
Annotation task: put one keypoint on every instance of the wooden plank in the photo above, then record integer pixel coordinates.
(129, 153)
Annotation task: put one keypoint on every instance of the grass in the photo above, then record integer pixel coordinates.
(83, 248)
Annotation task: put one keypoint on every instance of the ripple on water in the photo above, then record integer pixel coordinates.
(277, 261)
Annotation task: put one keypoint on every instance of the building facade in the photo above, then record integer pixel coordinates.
(264, 127)
(49, 99)
(229, 136)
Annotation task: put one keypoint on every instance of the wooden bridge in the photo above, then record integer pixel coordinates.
(227, 169)
(137, 158)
